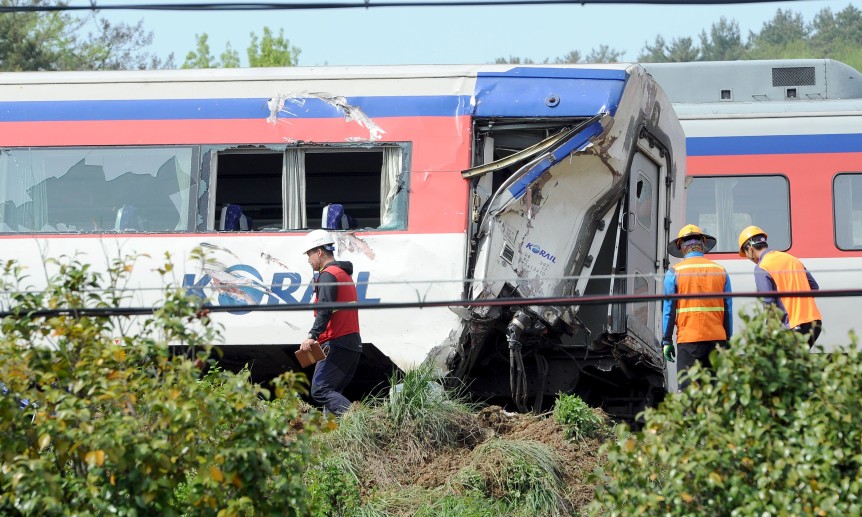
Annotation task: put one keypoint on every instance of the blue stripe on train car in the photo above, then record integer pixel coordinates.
(777, 144)
(549, 92)
(518, 92)
(208, 109)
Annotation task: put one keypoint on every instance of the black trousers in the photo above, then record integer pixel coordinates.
(331, 376)
(811, 329)
(688, 353)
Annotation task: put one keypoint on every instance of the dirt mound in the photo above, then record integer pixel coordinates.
(579, 459)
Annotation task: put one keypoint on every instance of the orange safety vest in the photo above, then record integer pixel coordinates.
(700, 319)
(788, 273)
(342, 321)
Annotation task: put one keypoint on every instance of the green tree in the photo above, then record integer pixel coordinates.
(201, 56)
(513, 60)
(683, 50)
(230, 57)
(573, 56)
(604, 54)
(723, 42)
(786, 27)
(56, 41)
(657, 52)
(774, 431)
(270, 50)
(785, 36)
(838, 36)
(98, 416)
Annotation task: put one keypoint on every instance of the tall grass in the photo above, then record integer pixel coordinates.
(527, 475)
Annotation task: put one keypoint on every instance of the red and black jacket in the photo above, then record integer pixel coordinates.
(331, 324)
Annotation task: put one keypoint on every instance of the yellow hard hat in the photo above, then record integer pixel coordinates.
(674, 247)
(748, 233)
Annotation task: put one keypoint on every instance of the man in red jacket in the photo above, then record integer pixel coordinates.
(337, 330)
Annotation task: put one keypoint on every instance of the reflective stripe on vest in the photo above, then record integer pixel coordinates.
(700, 319)
(788, 273)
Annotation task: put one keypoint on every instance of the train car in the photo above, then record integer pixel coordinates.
(776, 144)
(439, 182)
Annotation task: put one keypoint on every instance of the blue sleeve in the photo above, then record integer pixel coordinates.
(811, 281)
(728, 307)
(669, 306)
(764, 284)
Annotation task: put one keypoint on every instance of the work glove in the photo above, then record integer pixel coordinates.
(668, 351)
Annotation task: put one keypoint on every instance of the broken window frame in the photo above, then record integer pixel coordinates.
(394, 181)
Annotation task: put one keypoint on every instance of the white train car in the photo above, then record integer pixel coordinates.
(243, 162)
(777, 144)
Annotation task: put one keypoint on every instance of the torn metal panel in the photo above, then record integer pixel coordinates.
(293, 104)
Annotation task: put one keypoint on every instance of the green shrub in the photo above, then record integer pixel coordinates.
(775, 431)
(333, 486)
(117, 424)
(525, 475)
(579, 420)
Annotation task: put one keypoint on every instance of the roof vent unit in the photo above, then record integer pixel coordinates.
(793, 76)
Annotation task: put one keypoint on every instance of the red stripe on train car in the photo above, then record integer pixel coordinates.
(441, 149)
(811, 204)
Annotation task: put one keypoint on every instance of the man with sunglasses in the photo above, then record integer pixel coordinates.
(701, 323)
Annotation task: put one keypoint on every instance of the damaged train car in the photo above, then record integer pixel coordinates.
(584, 211)
(440, 183)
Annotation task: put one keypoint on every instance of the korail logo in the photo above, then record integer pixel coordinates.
(535, 248)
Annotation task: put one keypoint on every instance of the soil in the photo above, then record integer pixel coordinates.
(579, 458)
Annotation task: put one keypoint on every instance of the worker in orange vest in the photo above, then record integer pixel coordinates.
(777, 271)
(702, 323)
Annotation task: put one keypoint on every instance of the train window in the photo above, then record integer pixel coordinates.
(847, 196)
(289, 189)
(643, 207)
(95, 189)
(724, 205)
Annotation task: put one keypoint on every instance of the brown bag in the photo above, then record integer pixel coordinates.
(307, 358)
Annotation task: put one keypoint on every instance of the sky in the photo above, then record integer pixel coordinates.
(452, 35)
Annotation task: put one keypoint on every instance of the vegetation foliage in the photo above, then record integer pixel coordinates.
(774, 431)
(578, 419)
(380, 443)
(63, 41)
(833, 35)
(98, 417)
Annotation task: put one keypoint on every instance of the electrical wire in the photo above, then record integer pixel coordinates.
(497, 302)
(307, 6)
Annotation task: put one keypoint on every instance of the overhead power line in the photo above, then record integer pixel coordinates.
(299, 6)
(497, 302)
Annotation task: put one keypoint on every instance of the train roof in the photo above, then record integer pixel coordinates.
(291, 73)
(757, 81)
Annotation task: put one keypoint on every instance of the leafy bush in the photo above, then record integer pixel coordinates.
(579, 420)
(775, 431)
(333, 486)
(116, 424)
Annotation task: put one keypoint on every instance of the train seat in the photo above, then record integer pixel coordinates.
(233, 219)
(128, 219)
(335, 218)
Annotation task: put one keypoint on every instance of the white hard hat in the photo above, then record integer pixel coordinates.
(316, 239)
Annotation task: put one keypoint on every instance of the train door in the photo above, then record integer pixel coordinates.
(640, 253)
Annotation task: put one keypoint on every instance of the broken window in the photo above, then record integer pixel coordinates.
(288, 189)
(95, 189)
